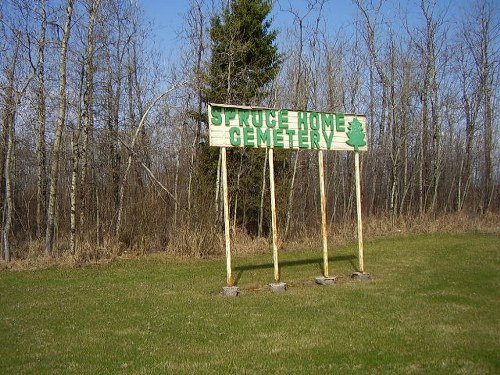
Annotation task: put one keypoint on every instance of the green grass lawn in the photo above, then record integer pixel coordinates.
(433, 307)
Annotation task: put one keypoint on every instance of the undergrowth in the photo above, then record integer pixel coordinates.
(196, 240)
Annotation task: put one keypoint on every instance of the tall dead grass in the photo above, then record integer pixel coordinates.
(203, 240)
(458, 222)
(383, 226)
(195, 240)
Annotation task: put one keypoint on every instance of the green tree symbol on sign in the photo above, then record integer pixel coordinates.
(355, 134)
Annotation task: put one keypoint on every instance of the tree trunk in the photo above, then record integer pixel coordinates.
(54, 174)
(176, 186)
(290, 197)
(88, 113)
(75, 158)
(488, 148)
(8, 203)
(237, 191)
(12, 98)
(8, 142)
(199, 30)
(40, 139)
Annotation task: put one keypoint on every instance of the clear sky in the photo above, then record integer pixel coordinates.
(167, 17)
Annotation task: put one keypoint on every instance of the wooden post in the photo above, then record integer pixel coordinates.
(323, 212)
(358, 210)
(230, 280)
(273, 217)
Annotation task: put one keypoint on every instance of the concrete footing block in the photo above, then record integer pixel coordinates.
(230, 291)
(361, 276)
(322, 280)
(278, 287)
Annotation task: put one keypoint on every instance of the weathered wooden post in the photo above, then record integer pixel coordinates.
(277, 286)
(325, 279)
(230, 290)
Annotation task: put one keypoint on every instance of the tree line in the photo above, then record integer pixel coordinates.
(104, 148)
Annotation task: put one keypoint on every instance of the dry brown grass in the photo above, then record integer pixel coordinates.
(459, 222)
(244, 243)
(194, 240)
(199, 240)
(376, 227)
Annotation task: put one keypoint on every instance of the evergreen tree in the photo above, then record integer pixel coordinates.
(244, 60)
(244, 57)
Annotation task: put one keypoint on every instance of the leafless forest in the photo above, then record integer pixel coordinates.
(104, 150)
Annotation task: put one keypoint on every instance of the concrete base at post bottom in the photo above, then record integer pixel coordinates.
(230, 291)
(361, 276)
(278, 287)
(322, 280)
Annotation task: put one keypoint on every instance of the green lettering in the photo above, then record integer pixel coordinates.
(290, 133)
(230, 113)
(327, 121)
(243, 115)
(263, 137)
(339, 122)
(314, 135)
(328, 138)
(283, 119)
(302, 119)
(248, 137)
(234, 136)
(257, 118)
(314, 120)
(303, 139)
(216, 116)
(278, 138)
(271, 123)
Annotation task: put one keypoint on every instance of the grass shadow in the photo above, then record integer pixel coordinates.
(292, 263)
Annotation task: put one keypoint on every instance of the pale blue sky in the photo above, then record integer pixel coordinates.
(168, 15)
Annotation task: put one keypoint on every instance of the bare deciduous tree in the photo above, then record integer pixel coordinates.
(61, 119)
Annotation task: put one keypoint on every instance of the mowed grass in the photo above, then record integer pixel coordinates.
(433, 307)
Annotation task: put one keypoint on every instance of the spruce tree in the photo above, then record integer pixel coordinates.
(244, 61)
(244, 57)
